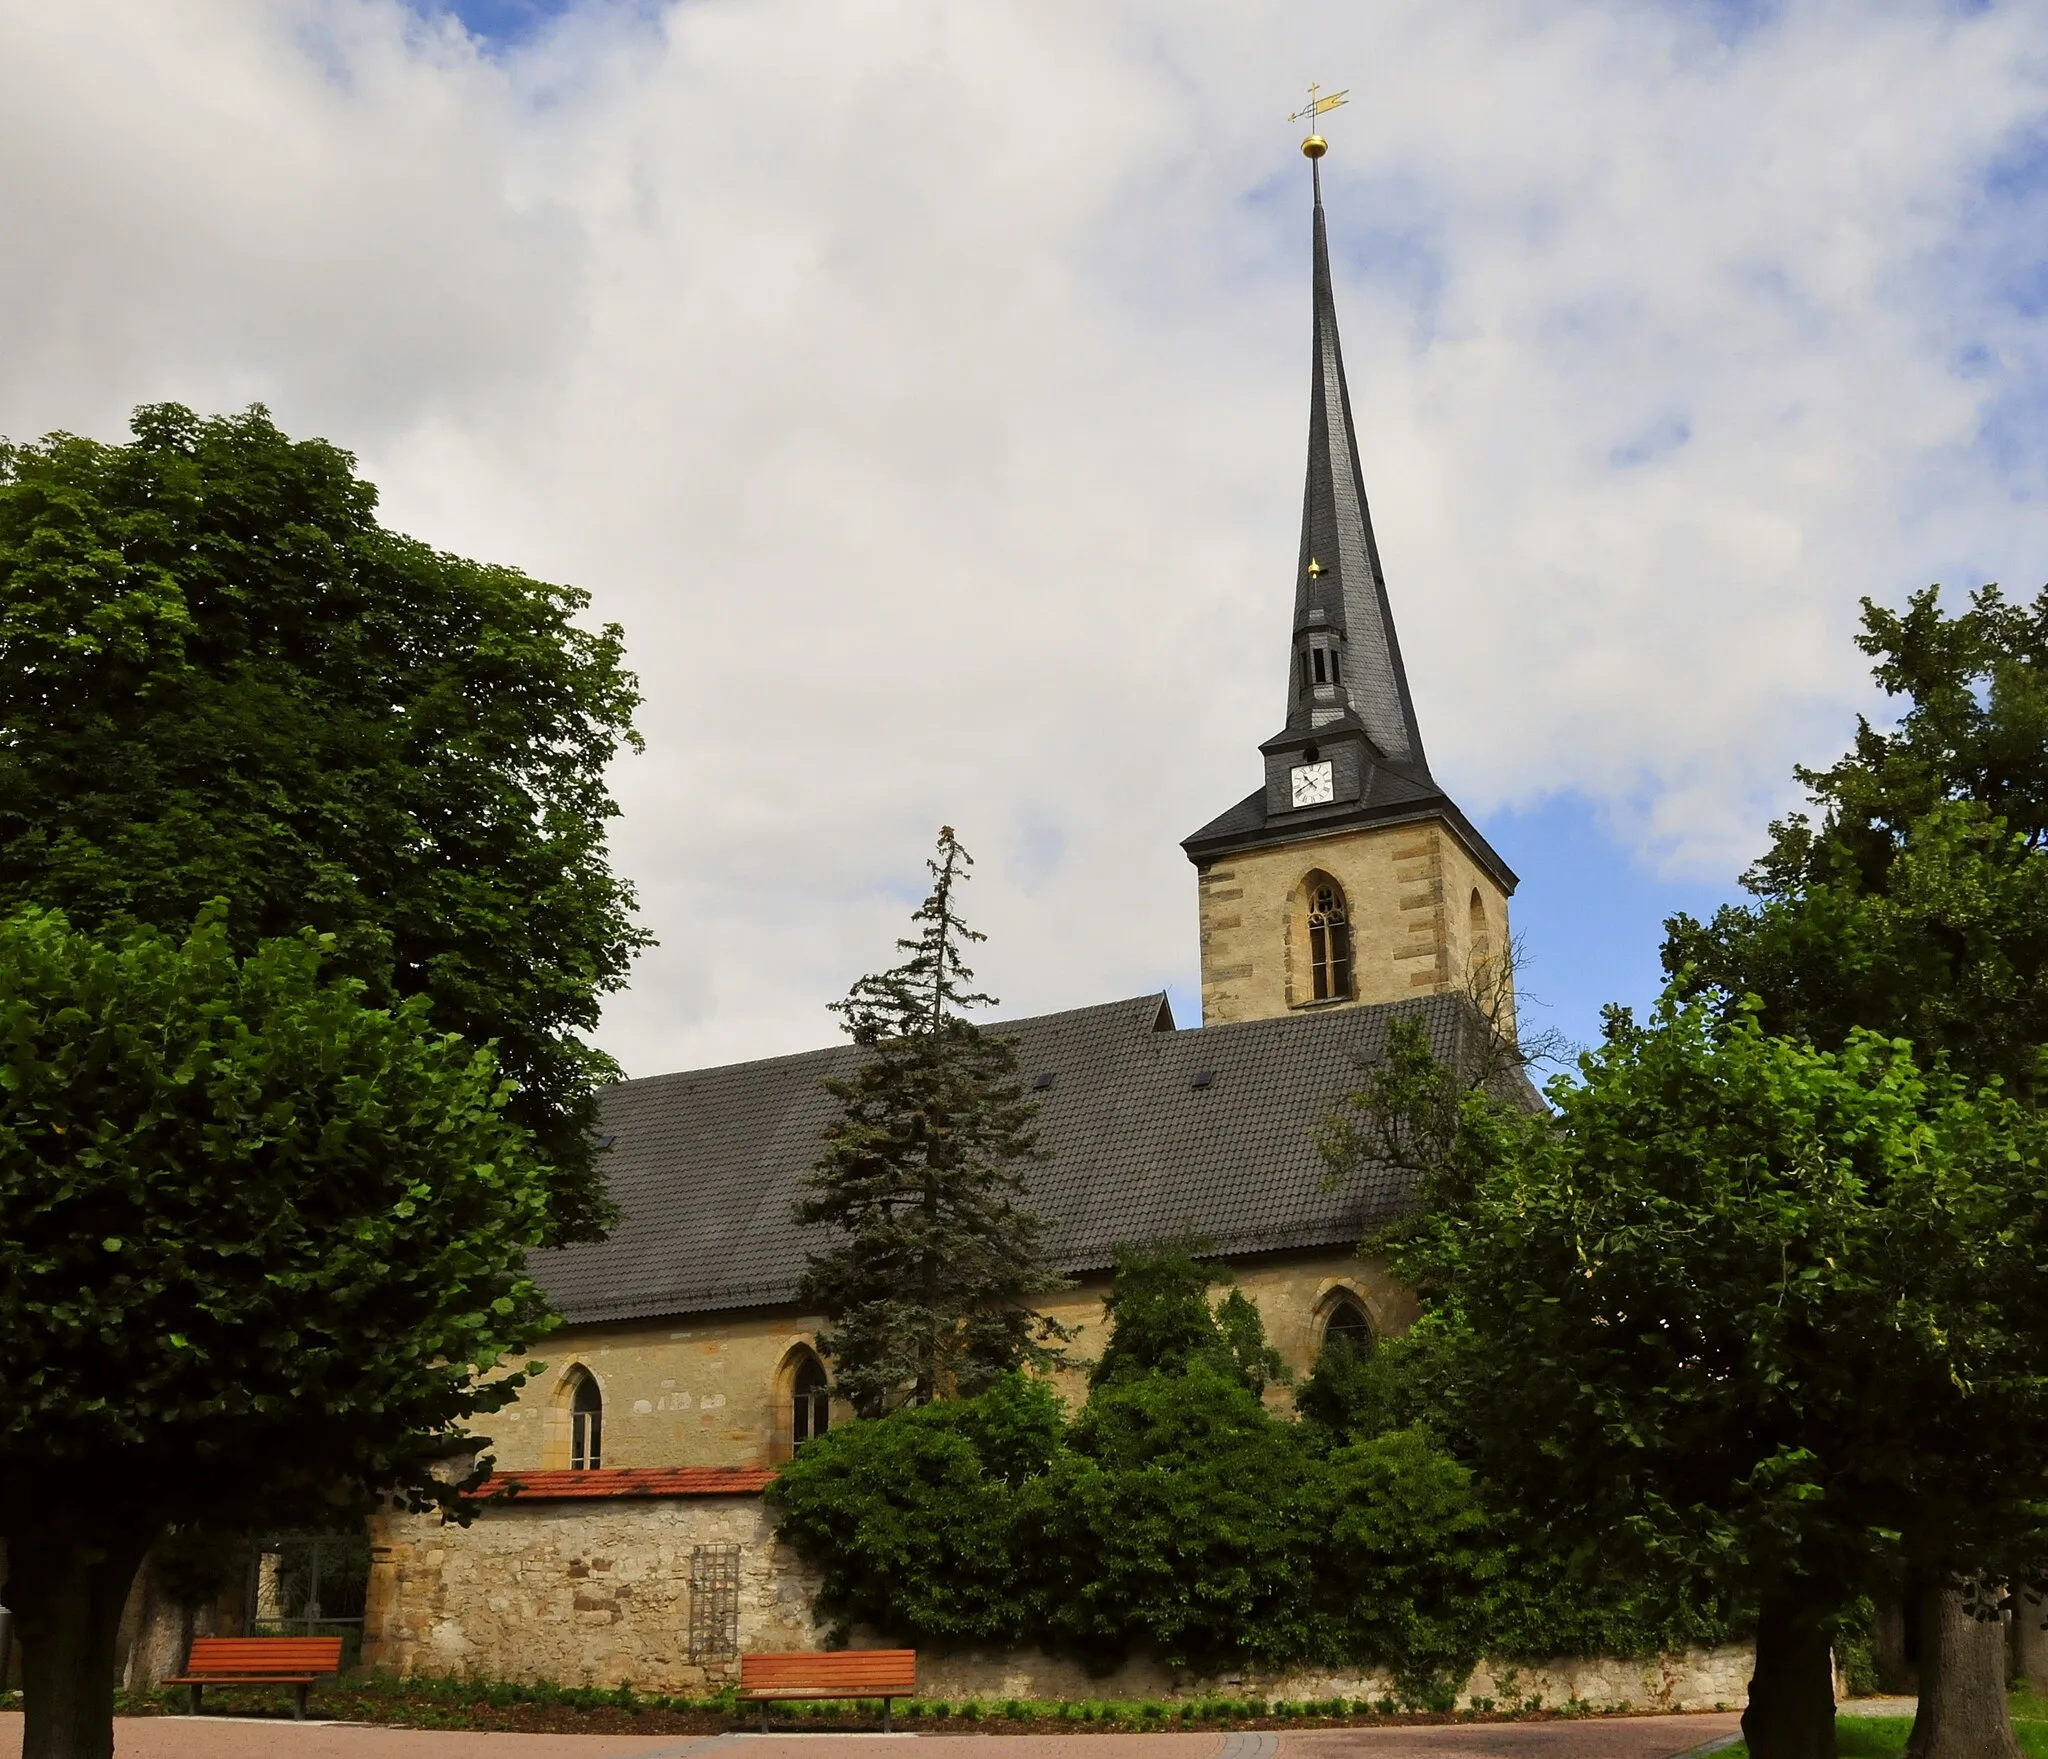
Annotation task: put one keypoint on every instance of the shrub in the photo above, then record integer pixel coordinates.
(1175, 1514)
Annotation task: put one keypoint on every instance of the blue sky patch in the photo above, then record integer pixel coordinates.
(499, 21)
(1659, 440)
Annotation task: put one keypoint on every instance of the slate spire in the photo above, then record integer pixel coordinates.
(1340, 594)
(1350, 756)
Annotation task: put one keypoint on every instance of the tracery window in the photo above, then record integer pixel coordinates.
(811, 1395)
(1347, 1328)
(586, 1423)
(1329, 940)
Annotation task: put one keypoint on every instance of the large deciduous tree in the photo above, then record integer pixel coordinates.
(259, 1244)
(1757, 1313)
(221, 677)
(1912, 900)
(927, 1290)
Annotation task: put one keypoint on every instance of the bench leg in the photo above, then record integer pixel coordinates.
(888, 1704)
(192, 1699)
(299, 1703)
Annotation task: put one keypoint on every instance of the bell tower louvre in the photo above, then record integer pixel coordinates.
(1350, 877)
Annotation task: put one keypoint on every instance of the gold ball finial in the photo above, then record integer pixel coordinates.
(1319, 102)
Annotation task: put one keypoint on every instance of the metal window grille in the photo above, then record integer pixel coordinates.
(714, 1602)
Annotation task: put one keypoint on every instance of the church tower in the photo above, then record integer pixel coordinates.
(1350, 877)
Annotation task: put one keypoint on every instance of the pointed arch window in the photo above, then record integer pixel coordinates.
(811, 1398)
(1329, 940)
(586, 1423)
(1347, 1328)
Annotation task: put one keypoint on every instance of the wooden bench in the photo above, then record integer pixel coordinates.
(887, 1674)
(259, 1661)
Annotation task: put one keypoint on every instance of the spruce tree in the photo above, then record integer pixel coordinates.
(927, 1291)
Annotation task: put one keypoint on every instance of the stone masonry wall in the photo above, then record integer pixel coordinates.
(597, 1592)
(714, 1389)
(585, 1592)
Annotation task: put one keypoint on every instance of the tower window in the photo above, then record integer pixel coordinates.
(586, 1424)
(1336, 672)
(1315, 655)
(812, 1398)
(1329, 942)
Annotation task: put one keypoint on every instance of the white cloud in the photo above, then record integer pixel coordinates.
(923, 387)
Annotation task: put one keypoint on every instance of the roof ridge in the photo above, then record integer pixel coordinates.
(1150, 1004)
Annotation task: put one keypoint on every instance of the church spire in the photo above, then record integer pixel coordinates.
(1348, 877)
(1345, 662)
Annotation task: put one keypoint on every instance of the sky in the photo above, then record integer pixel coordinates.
(923, 387)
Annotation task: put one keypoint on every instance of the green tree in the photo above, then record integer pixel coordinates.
(1746, 1312)
(1911, 899)
(260, 1245)
(1161, 1322)
(221, 677)
(927, 1289)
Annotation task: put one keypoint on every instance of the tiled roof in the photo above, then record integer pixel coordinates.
(704, 1165)
(626, 1481)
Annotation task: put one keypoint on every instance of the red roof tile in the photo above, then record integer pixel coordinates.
(627, 1481)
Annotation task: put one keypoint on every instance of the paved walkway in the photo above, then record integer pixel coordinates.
(210, 1737)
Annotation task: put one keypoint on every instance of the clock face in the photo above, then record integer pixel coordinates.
(1313, 784)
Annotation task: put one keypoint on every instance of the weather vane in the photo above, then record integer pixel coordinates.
(1318, 104)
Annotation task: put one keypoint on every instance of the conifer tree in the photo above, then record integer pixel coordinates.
(927, 1291)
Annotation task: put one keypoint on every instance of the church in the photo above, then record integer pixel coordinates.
(627, 1539)
(1347, 884)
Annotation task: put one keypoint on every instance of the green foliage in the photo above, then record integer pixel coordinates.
(1179, 1504)
(221, 677)
(1355, 1391)
(1161, 1322)
(927, 1290)
(1158, 1314)
(1747, 1311)
(259, 1244)
(1175, 1513)
(257, 1240)
(910, 1519)
(1258, 1363)
(192, 1564)
(1916, 905)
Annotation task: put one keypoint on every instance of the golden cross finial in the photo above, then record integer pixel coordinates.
(1315, 569)
(1319, 102)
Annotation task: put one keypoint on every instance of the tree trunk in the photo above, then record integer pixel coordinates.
(2030, 1640)
(66, 1586)
(1963, 1713)
(1895, 1639)
(1791, 1710)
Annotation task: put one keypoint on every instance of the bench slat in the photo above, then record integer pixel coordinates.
(212, 1657)
(852, 1673)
